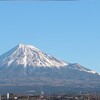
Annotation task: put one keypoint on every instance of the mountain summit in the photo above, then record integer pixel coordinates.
(26, 65)
(28, 55)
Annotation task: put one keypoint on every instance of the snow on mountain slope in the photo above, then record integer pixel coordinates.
(78, 67)
(28, 55)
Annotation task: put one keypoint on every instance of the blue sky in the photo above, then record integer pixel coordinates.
(67, 30)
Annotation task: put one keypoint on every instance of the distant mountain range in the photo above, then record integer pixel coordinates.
(26, 65)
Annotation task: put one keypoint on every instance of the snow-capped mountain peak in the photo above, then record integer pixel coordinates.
(27, 46)
(28, 55)
(26, 65)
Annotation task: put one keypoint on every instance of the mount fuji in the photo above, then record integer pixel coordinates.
(26, 65)
(27, 55)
